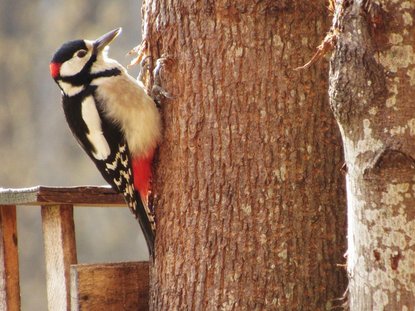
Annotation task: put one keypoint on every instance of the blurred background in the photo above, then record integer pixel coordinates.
(37, 147)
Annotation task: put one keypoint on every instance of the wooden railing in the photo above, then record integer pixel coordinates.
(70, 286)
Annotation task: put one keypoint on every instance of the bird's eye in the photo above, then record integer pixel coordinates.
(81, 53)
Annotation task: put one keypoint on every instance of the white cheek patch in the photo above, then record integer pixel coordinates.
(95, 136)
(74, 65)
(70, 90)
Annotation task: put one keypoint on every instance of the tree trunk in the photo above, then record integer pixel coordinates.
(372, 92)
(249, 196)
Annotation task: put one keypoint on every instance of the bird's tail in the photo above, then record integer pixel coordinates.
(145, 219)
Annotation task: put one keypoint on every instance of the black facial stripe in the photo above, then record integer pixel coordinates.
(82, 77)
(107, 73)
(85, 78)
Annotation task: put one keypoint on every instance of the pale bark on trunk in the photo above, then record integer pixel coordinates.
(372, 92)
(249, 193)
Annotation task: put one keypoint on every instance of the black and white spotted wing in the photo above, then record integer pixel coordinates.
(106, 146)
(118, 173)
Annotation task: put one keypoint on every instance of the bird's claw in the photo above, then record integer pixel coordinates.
(158, 92)
(145, 65)
(143, 58)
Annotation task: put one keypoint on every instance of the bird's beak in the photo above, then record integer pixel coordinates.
(104, 40)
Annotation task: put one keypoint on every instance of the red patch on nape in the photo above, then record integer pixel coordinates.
(142, 174)
(54, 69)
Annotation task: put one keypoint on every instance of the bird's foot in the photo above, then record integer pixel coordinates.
(158, 92)
(145, 70)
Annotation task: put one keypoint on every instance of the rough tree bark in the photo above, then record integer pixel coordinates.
(372, 93)
(249, 194)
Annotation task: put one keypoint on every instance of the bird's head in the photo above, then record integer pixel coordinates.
(75, 61)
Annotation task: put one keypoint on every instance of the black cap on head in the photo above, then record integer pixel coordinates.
(67, 50)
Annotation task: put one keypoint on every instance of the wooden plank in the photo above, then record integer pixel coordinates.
(18, 196)
(9, 260)
(60, 253)
(84, 196)
(116, 286)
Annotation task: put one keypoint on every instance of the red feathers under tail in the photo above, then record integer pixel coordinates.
(142, 175)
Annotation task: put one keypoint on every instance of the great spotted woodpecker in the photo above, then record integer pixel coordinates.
(112, 118)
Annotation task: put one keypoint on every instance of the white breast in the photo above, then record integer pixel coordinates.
(136, 113)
